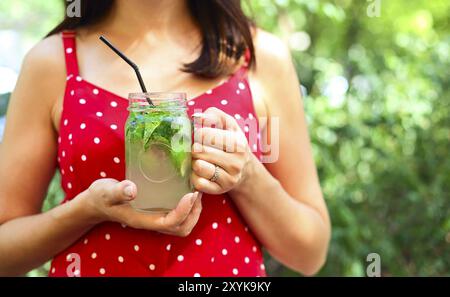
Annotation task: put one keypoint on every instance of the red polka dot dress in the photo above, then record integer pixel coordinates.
(91, 146)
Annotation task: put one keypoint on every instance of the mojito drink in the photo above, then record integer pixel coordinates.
(157, 144)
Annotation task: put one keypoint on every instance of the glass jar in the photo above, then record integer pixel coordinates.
(158, 142)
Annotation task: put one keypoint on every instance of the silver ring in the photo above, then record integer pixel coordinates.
(215, 176)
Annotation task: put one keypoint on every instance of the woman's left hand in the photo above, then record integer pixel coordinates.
(221, 156)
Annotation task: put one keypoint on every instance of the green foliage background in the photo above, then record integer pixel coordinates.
(382, 147)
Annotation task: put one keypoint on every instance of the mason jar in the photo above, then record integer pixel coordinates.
(158, 150)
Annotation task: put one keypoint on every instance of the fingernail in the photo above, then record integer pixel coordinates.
(194, 197)
(128, 191)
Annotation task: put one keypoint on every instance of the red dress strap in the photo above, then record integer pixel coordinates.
(70, 52)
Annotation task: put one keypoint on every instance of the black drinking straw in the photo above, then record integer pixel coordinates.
(129, 62)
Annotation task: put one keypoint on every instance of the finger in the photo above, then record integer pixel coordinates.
(180, 213)
(203, 168)
(193, 217)
(205, 185)
(227, 121)
(226, 140)
(206, 170)
(218, 117)
(121, 192)
(214, 156)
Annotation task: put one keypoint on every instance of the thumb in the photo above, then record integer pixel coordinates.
(123, 191)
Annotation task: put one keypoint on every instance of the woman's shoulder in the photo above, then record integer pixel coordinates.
(271, 53)
(43, 71)
(47, 55)
(274, 71)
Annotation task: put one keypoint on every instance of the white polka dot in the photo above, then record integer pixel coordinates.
(198, 242)
(212, 259)
(262, 267)
(136, 247)
(114, 127)
(53, 270)
(246, 129)
(63, 172)
(241, 86)
(69, 50)
(83, 157)
(209, 92)
(113, 103)
(223, 201)
(214, 225)
(69, 185)
(247, 260)
(151, 266)
(229, 220)
(254, 249)
(71, 168)
(70, 136)
(180, 258)
(246, 229)
(255, 147)
(59, 159)
(235, 271)
(120, 259)
(79, 78)
(82, 126)
(237, 239)
(69, 77)
(224, 252)
(96, 140)
(85, 241)
(237, 116)
(63, 153)
(59, 139)
(168, 247)
(250, 116)
(196, 274)
(238, 92)
(66, 121)
(102, 271)
(72, 93)
(102, 174)
(76, 272)
(107, 236)
(116, 160)
(70, 142)
(191, 102)
(94, 255)
(95, 91)
(99, 114)
(224, 102)
(82, 101)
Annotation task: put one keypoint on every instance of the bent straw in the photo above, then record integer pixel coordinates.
(129, 62)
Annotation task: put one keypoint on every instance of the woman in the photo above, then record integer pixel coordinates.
(60, 116)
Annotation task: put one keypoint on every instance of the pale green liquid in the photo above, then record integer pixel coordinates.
(160, 186)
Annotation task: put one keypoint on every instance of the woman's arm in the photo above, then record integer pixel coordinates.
(29, 238)
(281, 201)
(27, 164)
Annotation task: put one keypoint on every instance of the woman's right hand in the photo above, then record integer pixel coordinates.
(109, 201)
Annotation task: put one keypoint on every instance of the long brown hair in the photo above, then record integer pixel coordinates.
(226, 32)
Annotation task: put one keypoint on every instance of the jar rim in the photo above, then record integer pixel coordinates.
(158, 95)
